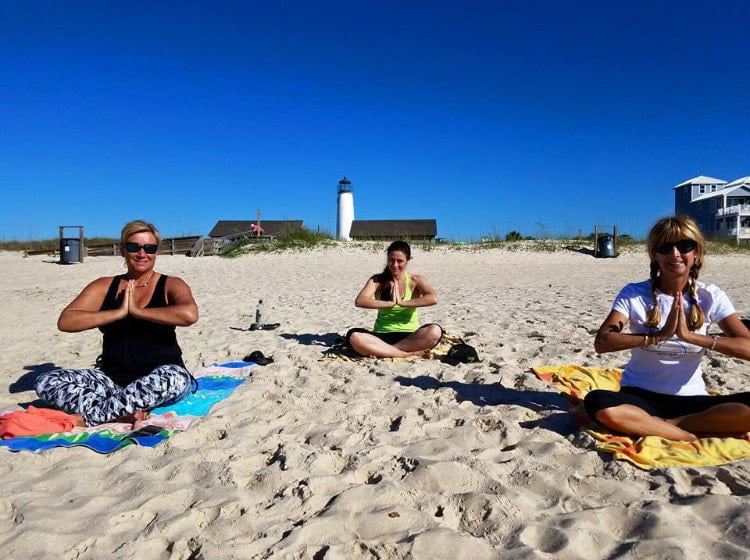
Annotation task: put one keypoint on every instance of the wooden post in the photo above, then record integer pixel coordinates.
(596, 241)
(259, 228)
(61, 230)
(80, 242)
(615, 231)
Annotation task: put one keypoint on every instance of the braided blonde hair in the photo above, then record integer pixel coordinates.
(673, 229)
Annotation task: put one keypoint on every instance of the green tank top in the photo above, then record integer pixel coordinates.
(397, 318)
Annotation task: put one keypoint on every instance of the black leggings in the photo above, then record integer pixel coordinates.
(657, 404)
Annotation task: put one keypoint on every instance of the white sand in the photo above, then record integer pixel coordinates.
(335, 460)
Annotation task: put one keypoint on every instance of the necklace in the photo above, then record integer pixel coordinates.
(147, 282)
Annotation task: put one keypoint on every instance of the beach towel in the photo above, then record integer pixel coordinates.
(33, 421)
(342, 351)
(214, 383)
(645, 452)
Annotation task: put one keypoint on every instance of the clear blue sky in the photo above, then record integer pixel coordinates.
(488, 116)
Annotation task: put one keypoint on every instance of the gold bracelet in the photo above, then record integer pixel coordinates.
(716, 339)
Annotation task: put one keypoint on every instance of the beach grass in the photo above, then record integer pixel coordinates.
(303, 239)
(289, 240)
(51, 244)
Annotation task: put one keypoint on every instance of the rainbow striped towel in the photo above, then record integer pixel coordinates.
(215, 383)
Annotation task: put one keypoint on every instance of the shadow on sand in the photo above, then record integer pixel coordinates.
(327, 339)
(582, 250)
(495, 394)
(27, 381)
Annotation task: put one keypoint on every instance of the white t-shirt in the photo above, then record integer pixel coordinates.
(672, 367)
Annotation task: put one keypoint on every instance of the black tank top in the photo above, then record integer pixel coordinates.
(134, 347)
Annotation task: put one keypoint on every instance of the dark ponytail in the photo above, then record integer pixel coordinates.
(385, 278)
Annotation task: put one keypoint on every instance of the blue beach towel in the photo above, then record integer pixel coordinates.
(215, 383)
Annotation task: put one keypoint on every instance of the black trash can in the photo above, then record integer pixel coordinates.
(70, 250)
(605, 246)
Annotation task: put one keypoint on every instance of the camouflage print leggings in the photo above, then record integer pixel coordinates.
(92, 394)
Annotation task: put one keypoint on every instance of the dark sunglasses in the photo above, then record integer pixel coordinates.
(683, 246)
(150, 248)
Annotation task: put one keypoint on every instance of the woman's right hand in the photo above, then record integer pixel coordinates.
(84, 312)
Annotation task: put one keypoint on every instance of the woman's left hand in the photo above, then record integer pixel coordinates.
(181, 309)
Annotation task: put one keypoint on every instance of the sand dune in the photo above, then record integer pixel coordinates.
(377, 459)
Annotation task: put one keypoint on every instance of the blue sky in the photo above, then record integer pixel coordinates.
(535, 116)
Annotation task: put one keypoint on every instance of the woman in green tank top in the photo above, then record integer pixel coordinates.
(396, 295)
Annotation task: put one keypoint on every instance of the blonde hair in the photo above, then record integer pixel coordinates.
(139, 226)
(669, 230)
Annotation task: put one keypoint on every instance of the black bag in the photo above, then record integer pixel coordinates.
(461, 353)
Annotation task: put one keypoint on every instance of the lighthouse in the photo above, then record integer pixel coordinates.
(345, 210)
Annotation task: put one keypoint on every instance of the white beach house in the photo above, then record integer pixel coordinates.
(721, 209)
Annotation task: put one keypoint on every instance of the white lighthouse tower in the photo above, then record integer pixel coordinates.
(346, 210)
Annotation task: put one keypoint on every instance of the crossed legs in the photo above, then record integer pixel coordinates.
(727, 415)
(93, 397)
(418, 343)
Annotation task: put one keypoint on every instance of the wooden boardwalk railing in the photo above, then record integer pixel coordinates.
(191, 246)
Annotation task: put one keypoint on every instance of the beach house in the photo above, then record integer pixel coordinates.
(721, 208)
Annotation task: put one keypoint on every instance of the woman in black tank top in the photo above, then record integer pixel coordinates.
(141, 363)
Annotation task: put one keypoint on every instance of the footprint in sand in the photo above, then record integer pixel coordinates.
(546, 539)
(9, 511)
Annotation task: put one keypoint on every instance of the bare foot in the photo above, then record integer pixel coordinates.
(137, 416)
(426, 354)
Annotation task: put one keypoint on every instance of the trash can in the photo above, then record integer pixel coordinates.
(605, 246)
(70, 250)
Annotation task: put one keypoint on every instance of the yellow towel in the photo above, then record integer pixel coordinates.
(646, 452)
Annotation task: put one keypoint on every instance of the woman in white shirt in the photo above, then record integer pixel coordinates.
(663, 392)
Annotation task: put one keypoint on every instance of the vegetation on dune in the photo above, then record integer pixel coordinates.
(291, 239)
(303, 239)
(726, 247)
(52, 244)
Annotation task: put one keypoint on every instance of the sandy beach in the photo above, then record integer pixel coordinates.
(322, 459)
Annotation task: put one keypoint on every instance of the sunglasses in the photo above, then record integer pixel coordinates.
(150, 248)
(683, 246)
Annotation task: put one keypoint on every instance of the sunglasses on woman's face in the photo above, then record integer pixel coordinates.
(683, 246)
(150, 248)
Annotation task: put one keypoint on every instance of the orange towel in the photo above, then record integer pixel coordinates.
(35, 421)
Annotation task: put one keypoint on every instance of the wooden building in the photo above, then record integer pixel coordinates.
(234, 229)
(394, 229)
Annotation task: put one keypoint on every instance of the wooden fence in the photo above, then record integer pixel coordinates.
(191, 246)
(169, 246)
